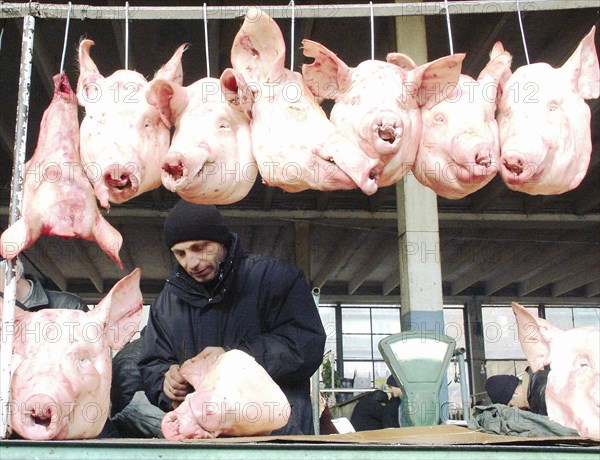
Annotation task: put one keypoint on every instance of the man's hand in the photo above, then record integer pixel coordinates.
(175, 386)
(208, 352)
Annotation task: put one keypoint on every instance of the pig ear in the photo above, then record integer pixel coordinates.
(497, 70)
(238, 94)
(401, 60)
(584, 69)
(87, 87)
(173, 70)
(327, 75)
(434, 81)
(258, 49)
(120, 310)
(169, 98)
(536, 336)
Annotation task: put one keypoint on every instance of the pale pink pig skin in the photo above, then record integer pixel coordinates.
(544, 123)
(295, 145)
(210, 159)
(459, 150)
(377, 103)
(573, 387)
(61, 367)
(123, 138)
(58, 199)
(249, 404)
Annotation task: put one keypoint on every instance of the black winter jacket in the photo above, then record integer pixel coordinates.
(260, 305)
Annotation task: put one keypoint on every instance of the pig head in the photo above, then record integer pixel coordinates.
(295, 145)
(210, 159)
(61, 366)
(234, 396)
(58, 199)
(123, 138)
(544, 123)
(459, 151)
(573, 387)
(377, 103)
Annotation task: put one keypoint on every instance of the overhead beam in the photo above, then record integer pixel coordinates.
(38, 257)
(577, 259)
(390, 283)
(366, 268)
(592, 289)
(89, 268)
(302, 253)
(345, 245)
(587, 274)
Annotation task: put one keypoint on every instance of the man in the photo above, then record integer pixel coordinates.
(32, 296)
(528, 393)
(219, 298)
(376, 410)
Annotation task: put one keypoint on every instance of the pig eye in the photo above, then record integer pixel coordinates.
(147, 123)
(84, 361)
(439, 118)
(582, 362)
(224, 125)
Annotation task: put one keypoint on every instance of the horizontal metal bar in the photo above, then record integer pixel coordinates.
(57, 11)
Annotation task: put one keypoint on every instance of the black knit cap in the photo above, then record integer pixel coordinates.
(391, 381)
(500, 388)
(188, 221)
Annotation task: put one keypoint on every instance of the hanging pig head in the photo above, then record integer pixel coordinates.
(377, 103)
(544, 123)
(123, 138)
(295, 145)
(459, 152)
(210, 159)
(61, 366)
(573, 387)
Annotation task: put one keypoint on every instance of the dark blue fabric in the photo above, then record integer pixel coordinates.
(260, 305)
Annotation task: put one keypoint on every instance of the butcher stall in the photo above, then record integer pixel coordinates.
(381, 159)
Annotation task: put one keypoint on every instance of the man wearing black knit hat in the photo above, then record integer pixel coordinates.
(219, 298)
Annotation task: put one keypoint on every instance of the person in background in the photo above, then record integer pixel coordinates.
(376, 410)
(219, 298)
(131, 413)
(527, 394)
(32, 296)
(391, 415)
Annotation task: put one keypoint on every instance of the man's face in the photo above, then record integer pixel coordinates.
(200, 258)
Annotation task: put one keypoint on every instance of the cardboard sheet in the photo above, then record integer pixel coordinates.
(424, 436)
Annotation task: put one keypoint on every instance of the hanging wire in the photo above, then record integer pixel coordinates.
(293, 50)
(1, 34)
(372, 31)
(206, 42)
(522, 32)
(126, 35)
(64, 51)
(449, 27)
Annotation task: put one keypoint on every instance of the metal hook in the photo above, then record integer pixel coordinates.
(522, 32)
(64, 51)
(206, 42)
(449, 27)
(372, 31)
(292, 47)
(126, 35)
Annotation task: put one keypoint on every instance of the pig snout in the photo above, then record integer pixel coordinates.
(522, 158)
(41, 417)
(179, 170)
(122, 181)
(478, 156)
(382, 133)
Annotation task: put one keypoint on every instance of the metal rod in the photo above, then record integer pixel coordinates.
(522, 31)
(126, 35)
(57, 11)
(292, 45)
(206, 42)
(62, 61)
(449, 28)
(372, 31)
(16, 198)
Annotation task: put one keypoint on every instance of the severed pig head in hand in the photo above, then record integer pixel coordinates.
(61, 366)
(573, 387)
(234, 396)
